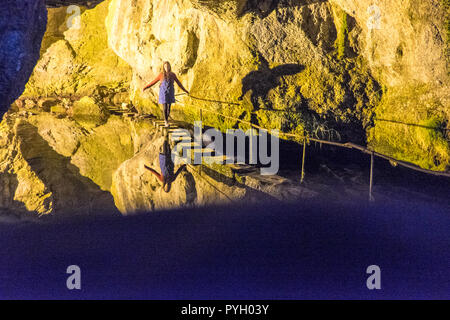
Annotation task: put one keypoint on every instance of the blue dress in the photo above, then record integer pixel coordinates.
(166, 165)
(167, 92)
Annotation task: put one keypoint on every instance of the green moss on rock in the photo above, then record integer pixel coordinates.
(412, 125)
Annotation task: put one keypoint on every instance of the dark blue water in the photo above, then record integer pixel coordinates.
(301, 251)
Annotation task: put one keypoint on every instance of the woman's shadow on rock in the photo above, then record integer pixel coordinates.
(261, 81)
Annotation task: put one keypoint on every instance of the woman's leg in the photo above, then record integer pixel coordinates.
(166, 112)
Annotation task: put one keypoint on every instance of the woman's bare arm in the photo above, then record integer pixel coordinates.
(157, 175)
(151, 84)
(179, 83)
(180, 169)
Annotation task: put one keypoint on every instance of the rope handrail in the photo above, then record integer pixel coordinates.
(214, 187)
(348, 145)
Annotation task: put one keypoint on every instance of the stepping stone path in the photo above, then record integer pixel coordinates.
(186, 148)
(244, 174)
(119, 111)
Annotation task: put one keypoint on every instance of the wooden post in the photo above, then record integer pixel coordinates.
(371, 177)
(201, 121)
(303, 160)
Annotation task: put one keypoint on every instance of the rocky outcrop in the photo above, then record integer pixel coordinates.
(349, 70)
(61, 3)
(403, 41)
(52, 164)
(302, 66)
(22, 26)
(36, 174)
(77, 60)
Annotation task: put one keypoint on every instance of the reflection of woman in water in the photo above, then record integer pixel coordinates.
(166, 89)
(167, 175)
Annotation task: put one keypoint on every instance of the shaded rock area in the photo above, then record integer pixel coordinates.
(52, 165)
(22, 26)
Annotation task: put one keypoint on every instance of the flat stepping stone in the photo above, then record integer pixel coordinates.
(215, 159)
(239, 166)
(175, 130)
(189, 144)
(185, 148)
(242, 168)
(180, 160)
(208, 150)
(167, 128)
(180, 138)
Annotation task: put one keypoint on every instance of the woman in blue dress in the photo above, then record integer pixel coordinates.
(168, 174)
(166, 89)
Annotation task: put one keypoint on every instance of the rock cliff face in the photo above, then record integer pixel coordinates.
(76, 60)
(367, 71)
(22, 25)
(37, 174)
(359, 71)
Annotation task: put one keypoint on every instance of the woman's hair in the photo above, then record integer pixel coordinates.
(166, 187)
(165, 73)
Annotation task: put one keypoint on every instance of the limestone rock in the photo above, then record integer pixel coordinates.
(103, 151)
(77, 60)
(36, 180)
(88, 113)
(353, 58)
(45, 104)
(63, 135)
(325, 68)
(22, 26)
(58, 109)
(403, 41)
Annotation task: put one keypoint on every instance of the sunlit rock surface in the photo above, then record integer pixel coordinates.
(332, 67)
(77, 60)
(22, 26)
